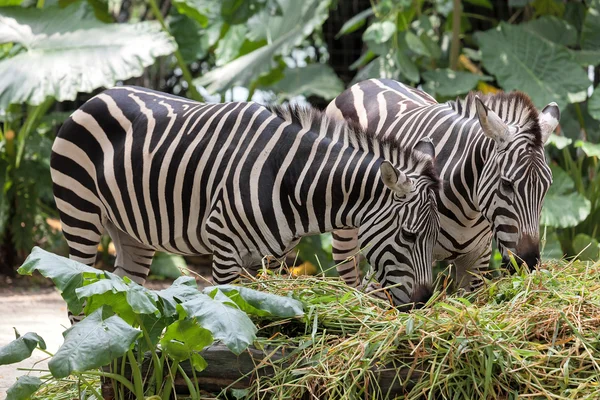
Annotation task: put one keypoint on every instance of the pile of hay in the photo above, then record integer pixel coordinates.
(529, 335)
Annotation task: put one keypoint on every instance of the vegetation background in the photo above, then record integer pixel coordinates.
(56, 54)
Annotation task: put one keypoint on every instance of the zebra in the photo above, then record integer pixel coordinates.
(239, 181)
(490, 158)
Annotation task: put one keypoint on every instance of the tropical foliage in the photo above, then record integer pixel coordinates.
(55, 54)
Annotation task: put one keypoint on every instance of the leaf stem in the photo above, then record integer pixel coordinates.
(119, 378)
(30, 123)
(190, 385)
(170, 382)
(136, 375)
(158, 364)
(187, 75)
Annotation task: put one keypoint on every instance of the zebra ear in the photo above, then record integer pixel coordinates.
(426, 147)
(548, 120)
(492, 125)
(395, 179)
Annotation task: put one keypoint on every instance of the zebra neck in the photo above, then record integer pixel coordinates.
(333, 191)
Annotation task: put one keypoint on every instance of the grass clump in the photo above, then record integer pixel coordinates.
(530, 335)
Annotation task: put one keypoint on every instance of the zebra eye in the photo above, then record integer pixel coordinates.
(507, 185)
(408, 235)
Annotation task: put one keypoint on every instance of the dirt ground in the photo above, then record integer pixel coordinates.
(33, 305)
(43, 312)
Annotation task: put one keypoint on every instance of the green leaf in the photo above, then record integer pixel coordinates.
(168, 265)
(154, 327)
(553, 29)
(239, 11)
(23, 388)
(312, 80)
(191, 40)
(407, 67)
(20, 348)
(522, 60)
(65, 53)
(226, 323)
(416, 45)
(481, 3)
(230, 45)
(448, 83)
(126, 298)
(377, 35)
(590, 149)
(563, 206)
(260, 303)
(590, 33)
(66, 274)
(185, 337)
(203, 11)
(298, 20)
(560, 142)
(549, 7)
(182, 289)
(552, 248)
(355, 22)
(434, 50)
(594, 104)
(92, 343)
(586, 246)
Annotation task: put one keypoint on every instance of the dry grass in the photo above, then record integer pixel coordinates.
(524, 336)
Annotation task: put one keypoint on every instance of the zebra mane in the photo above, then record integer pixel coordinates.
(515, 108)
(308, 117)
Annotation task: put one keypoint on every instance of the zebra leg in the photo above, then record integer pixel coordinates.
(471, 268)
(345, 254)
(133, 258)
(81, 229)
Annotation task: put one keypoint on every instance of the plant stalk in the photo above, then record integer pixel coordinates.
(119, 378)
(455, 44)
(190, 385)
(157, 371)
(30, 123)
(169, 385)
(187, 75)
(136, 375)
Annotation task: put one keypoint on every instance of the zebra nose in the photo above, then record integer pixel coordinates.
(528, 251)
(420, 295)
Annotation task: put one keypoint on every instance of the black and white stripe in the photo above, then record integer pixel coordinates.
(238, 181)
(489, 155)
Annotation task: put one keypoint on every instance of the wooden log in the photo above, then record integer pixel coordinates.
(226, 370)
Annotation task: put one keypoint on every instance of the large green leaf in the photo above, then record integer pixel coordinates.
(65, 53)
(261, 303)
(126, 298)
(92, 343)
(183, 339)
(594, 104)
(590, 32)
(21, 348)
(377, 35)
(447, 82)
(563, 206)
(586, 246)
(524, 61)
(590, 149)
(230, 45)
(560, 142)
(298, 20)
(554, 29)
(184, 288)
(312, 80)
(224, 320)
(66, 274)
(23, 388)
(168, 265)
(203, 11)
(355, 22)
(552, 248)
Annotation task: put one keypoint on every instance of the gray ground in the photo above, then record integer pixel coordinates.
(43, 312)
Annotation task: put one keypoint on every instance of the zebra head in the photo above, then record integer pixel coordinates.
(517, 177)
(401, 234)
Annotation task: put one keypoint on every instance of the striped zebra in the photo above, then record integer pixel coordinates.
(239, 181)
(490, 158)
